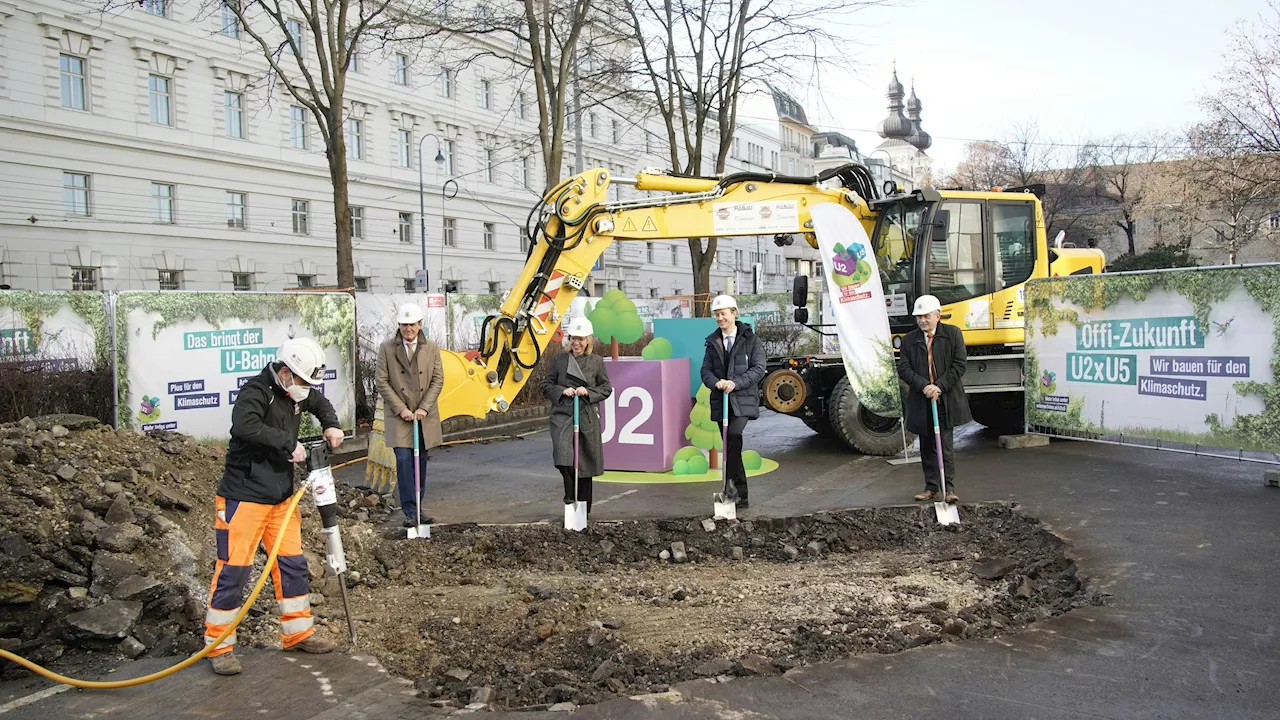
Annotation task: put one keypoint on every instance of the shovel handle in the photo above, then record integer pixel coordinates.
(937, 441)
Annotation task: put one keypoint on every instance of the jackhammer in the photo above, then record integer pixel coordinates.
(320, 479)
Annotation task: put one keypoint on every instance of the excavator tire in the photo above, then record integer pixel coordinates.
(822, 426)
(1001, 412)
(863, 431)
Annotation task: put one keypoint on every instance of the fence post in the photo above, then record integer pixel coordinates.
(115, 359)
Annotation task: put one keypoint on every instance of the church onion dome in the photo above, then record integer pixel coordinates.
(919, 138)
(896, 125)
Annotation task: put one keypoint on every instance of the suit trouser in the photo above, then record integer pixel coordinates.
(240, 528)
(929, 459)
(404, 474)
(584, 486)
(733, 455)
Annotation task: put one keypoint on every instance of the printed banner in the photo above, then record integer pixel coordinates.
(56, 331)
(1186, 356)
(857, 303)
(183, 357)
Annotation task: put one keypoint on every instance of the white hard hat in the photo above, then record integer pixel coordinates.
(722, 302)
(581, 327)
(409, 313)
(926, 304)
(305, 359)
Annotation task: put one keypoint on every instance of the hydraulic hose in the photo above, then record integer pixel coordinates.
(244, 610)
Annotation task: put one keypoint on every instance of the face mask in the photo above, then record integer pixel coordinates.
(298, 393)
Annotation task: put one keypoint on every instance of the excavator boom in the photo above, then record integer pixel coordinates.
(575, 223)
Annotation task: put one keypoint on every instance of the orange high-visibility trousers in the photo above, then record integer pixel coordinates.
(240, 528)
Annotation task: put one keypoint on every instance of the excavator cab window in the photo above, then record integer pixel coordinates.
(957, 257)
(1014, 226)
(897, 230)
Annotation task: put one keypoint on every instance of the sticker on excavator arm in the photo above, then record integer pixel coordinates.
(756, 218)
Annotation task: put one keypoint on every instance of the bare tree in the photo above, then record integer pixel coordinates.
(1126, 174)
(696, 57)
(1247, 103)
(986, 164)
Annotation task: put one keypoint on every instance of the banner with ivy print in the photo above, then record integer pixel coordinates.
(55, 330)
(1187, 358)
(182, 356)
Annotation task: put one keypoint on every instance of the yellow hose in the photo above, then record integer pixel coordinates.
(253, 596)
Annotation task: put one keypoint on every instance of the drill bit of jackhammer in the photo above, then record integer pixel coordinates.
(320, 479)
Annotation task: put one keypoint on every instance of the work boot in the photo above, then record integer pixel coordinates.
(953, 498)
(314, 645)
(926, 495)
(225, 664)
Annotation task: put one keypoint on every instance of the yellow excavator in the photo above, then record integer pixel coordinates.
(975, 251)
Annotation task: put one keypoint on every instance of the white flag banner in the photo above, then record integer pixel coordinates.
(858, 308)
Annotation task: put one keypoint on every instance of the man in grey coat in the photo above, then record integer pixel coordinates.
(733, 363)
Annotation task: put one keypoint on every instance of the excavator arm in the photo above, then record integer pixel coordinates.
(575, 223)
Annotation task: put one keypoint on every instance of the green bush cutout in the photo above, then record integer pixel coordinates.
(657, 349)
(615, 318)
(751, 460)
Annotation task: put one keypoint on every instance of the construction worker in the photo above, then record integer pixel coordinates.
(410, 376)
(932, 363)
(577, 373)
(252, 498)
(733, 363)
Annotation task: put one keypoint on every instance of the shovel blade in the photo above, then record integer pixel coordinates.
(947, 513)
(723, 509)
(421, 532)
(575, 516)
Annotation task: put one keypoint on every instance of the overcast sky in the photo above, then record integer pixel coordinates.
(1089, 67)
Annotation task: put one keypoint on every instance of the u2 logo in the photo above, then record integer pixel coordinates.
(626, 399)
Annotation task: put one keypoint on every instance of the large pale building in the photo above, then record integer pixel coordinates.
(148, 149)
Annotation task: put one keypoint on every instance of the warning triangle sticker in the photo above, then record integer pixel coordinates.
(649, 226)
(630, 225)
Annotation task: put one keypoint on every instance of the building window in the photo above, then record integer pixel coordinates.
(404, 148)
(520, 105)
(490, 231)
(524, 241)
(402, 69)
(446, 83)
(598, 289)
(405, 227)
(159, 8)
(591, 120)
(300, 211)
(72, 76)
(653, 293)
(362, 284)
(242, 282)
(486, 94)
(355, 139)
(648, 142)
(446, 149)
(736, 150)
(233, 114)
(675, 255)
(793, 266)
(84, 278)
(75, 193)
(1273, 222)
(230, 23)
(294, 28)
(170, 279)
(617, 136)
(622, 286)
(306, 281)
(162, 202)
(357, 221)
(160, 88)
(299, 127)
(235, 210)
(524, 172)
(649, 253)
(488, 165)
(410, 285)
(449, 232)
(353, 57)
(677, 291)
(495, 288)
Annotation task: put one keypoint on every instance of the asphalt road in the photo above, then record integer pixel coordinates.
(1187, 547)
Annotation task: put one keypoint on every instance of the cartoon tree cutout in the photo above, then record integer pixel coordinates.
(702, 431)
(616, 320)
(657, 349)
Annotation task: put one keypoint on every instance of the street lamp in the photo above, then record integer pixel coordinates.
(422, 198)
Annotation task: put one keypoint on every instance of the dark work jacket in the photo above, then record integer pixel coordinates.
(948, 364)
(745, 367)
(264, 432)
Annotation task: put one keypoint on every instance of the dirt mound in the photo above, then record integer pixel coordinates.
(529, 616)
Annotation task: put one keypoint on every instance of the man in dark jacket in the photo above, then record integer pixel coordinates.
(733, 363)
(932, 363)
(254, 493)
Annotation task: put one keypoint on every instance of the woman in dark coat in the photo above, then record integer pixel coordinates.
(577, 372)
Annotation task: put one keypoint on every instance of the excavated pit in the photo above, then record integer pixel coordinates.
(107, 542)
